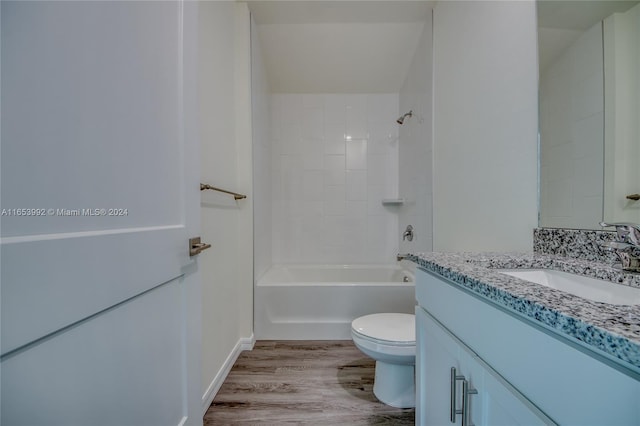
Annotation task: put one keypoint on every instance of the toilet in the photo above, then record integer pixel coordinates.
(390, 339)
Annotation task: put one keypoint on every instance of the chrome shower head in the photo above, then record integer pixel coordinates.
(401, 119)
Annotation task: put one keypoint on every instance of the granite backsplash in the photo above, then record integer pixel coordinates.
(574, 243)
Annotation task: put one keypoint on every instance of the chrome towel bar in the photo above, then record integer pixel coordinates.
(235, 194)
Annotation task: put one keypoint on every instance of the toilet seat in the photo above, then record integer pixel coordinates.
(386, 329)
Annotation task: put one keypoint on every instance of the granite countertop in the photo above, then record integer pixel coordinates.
(610, 329)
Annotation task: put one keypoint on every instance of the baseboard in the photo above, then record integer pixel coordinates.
(244, 344)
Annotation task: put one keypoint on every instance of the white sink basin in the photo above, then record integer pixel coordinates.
(578, 285)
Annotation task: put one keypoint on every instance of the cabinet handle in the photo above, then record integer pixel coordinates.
(454, 378)
(466, 413)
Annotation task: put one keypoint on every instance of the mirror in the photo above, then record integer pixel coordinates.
(589, 86)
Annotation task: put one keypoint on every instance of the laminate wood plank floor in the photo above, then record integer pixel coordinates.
(303, 383)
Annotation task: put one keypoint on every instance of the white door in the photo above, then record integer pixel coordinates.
(100, 301)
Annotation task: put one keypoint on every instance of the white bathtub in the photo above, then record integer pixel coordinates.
(318, 302)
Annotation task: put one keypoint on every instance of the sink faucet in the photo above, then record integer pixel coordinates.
(627, 245)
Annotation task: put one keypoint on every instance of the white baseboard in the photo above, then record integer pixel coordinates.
(244, 344)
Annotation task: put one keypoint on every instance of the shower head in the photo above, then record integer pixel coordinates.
(401, 119)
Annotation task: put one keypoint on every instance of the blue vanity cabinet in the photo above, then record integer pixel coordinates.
(446, 369)
(523, 374)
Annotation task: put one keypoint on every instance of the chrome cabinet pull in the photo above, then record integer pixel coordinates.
(454, 378)
(466, 413)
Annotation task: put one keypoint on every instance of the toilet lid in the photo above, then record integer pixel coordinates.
(388, 327)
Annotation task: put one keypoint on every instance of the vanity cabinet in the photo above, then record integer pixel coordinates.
(456, 386)
(522, 372)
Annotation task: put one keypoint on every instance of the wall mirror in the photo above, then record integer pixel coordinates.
(589, 88)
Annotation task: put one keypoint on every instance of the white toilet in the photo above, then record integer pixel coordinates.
(390, 339)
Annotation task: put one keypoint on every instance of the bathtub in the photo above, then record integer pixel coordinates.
(318, 302)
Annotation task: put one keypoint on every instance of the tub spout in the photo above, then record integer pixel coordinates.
(400, 257)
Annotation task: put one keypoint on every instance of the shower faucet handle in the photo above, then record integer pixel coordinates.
(408, 233)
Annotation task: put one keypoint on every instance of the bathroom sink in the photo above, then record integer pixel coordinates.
(578, 285)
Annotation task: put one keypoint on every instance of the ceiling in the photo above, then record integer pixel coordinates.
(338, 46)
(578, 14)
(561, 22)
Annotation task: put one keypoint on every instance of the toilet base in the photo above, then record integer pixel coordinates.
(395, 384)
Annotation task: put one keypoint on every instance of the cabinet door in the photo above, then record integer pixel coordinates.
(435, 355)
(496, 401)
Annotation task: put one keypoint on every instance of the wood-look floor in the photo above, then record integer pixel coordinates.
(302, 382)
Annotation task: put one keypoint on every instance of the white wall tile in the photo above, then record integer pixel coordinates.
(382, 239)
(323, 182)
(334, 134)
(334, 199)
(313, 185)
(333, 231)
(312, 154)
(290, 109)
(335, 109)
(356, 185)
(291, 142)
(375, 195)
(292, 184)
(356, 117)
(334, 162)
(356, 209)
(383, 143)
(334, 177)
(313, 124)
(378, 167)
(356, 151)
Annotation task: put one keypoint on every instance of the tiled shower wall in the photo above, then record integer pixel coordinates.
(334, 158)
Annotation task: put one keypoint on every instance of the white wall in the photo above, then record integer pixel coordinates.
(261, 117)
(571, 135)
(415, 148)
(327, 190)
(485, 126)
(225, 114)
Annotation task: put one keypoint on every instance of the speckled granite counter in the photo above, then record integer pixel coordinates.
(610, 329)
